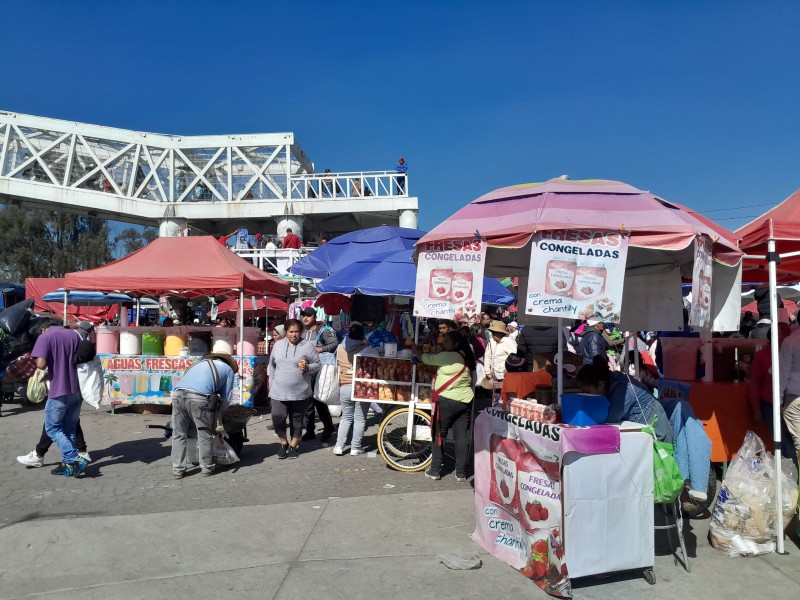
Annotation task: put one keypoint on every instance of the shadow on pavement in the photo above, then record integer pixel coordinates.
(135, 451)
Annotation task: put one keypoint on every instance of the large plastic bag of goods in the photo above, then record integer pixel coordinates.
(15, 318)
(743, 522)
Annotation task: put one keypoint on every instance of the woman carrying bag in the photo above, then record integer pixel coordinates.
(453, 393)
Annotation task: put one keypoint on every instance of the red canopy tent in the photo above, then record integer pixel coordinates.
(771, 244)
(230, 307)
(183, 267)
(781, 224)
(36, 287)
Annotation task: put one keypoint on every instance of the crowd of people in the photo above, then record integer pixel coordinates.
(471, 360)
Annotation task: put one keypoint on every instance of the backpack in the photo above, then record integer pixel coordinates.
(85, 352)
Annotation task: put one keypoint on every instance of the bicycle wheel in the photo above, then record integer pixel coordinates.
(400, 452)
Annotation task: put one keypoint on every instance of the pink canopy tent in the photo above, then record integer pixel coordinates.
(661, 240)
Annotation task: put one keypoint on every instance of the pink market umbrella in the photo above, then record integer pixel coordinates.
(509, 216)
(230, 307)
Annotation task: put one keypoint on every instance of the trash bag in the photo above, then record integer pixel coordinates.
(38, 386)
(222, 452)
(17, 345)
(743, 522)
(90, 379)
(15, 318)
(21, 368)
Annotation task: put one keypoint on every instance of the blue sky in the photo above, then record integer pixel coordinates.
(694, 101)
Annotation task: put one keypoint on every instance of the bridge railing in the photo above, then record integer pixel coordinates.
(313, 186)
(277, 261)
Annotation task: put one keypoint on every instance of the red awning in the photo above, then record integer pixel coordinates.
(781, 224)
(230, 308)
(182, 267)
(36, 287)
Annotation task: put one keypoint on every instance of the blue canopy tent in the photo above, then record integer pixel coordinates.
(395, 274)
(351, 247)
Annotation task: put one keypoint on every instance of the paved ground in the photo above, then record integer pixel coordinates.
(338, 527)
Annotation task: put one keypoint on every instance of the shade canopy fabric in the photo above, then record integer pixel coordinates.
(38, 287)
(660, 248)
(181, 267)
(84, 298)
(395, 274)
(782, 224)
(353, 246)
(509, 216)
(230, 307)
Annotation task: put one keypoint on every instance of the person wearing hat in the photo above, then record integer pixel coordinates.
(513, 330)
(497, 351)
(593, 343)
(325, 340)
(196, 399)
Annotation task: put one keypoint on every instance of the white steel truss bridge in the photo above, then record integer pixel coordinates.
(214, 182)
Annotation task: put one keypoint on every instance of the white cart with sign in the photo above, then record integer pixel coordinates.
(404, 437)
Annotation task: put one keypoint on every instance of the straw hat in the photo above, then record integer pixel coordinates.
(498, 327)
(225, 357)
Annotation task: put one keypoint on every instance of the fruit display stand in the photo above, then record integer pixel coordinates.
(558, 502)
(404, 437)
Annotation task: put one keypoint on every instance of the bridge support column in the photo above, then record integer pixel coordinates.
(293, 222)
(408, 218)
(171, 227)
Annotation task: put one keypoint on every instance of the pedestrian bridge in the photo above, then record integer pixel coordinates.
(215, 183)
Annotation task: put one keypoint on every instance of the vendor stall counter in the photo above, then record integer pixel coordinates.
(556, 501)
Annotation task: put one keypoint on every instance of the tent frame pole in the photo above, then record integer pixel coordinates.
(241, 345)
(560, 365)
(773, 259)
(66, 293)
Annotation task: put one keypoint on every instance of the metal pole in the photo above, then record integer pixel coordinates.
(66, 293)
(772, 259)
(138, 309)
(413, 404)
(560, 365)
(241, 345)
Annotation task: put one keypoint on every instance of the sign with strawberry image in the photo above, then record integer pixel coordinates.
(450, 279)
(518, 492)
(577, 273)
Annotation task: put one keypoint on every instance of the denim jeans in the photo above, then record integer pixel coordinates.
(60, 420)
(354, 414)
(188, 407)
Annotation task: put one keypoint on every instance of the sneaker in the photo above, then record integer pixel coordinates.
(178, 475)
(31, 459)
(206, 473)
(694, 495)
(67, 470)
(431, 475)
(461, 479)
(338, 450)
(282, 451)
(326, 436)
(79, 466)
(86, 456)
(293, 452)
(309, 436)
(356, 451)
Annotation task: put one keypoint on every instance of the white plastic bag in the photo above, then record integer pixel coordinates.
(222, 452)
(90, 378)
(743, 522)
(326, 388)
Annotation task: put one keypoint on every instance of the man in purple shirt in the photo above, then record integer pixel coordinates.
(54, 350)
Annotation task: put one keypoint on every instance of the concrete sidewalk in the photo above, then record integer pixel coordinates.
(321, 526)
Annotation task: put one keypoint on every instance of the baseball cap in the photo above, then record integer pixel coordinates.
(591, 322)
(308, 312)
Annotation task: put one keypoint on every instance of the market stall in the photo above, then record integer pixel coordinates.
(404, 437)
(141, 364)
(587, 249)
